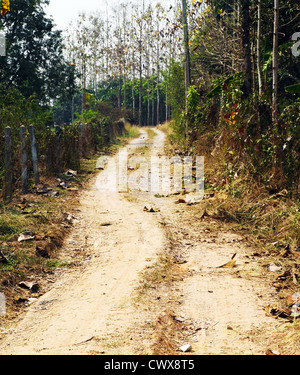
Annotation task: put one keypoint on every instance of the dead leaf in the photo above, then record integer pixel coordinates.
(229, 264)
(70, 172)
(23, 204)
(296, 297)
(43, 190)
(295, 279)
(186, 348)
(62, 185)
(295, 310)
(205, 214)
(273, 268)
(146, 209)
(271, 352)
(87, 340)
(27, 236)
(42, 251)
(3, 258)
(271, 311)
(180, 200)
(34, 287)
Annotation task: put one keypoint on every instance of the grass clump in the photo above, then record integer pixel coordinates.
(131, 131)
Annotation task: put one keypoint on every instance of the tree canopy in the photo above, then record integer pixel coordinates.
(34, 62)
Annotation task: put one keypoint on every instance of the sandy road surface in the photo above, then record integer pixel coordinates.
(93, 301)
(89, 310)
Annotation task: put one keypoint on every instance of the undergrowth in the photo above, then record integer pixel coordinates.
(45, 218)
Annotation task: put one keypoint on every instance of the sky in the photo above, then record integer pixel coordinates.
(63, 11)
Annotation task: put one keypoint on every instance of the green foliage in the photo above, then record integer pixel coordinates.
(293, 88)
(175, 88)
(33, 61)
(174, 81)
(217, 105)
(192, 99)
(221, 87)
(290, 120)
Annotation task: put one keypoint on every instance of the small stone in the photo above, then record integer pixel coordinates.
(273, 268)
(27, 236)
(295, 310)
(186, 348)
(34, 287)
(43, 252)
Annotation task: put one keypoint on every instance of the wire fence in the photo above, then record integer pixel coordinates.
(27, 153)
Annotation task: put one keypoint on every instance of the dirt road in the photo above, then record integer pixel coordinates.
(90, 309)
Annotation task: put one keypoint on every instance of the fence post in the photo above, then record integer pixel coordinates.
(48, 155)
(110, 133)
(81, 144)
(24, 177)
(57, 159)
(34, 155)
(8, 165)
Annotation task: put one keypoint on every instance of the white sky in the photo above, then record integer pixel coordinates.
(63, 11)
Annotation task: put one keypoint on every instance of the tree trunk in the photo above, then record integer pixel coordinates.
(275, 64)
(125, 87)
(153, 99)
(259, 71)
(84, 87)
(133, 91)
(187, 67)
(141, 85)
(24, 176)
(187, 64)
(167, 104)
(120, 89)
(8, 165)
(246, 22)
(158, 98)
(141, 66)
(148, 96)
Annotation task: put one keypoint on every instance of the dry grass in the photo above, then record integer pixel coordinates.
(151, 133)
(239, 198)
(166, 127)
(132, 131)
(162, 271)
(271, 219)
(270, 222)
(168, 333)
(153, 294)
(46, 217)
(286, 339)
(268, 218)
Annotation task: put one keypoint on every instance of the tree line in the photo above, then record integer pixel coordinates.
(226, 70)
(243, 94)
(122, 56)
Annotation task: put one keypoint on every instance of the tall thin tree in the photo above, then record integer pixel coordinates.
(187, 65)
(258, 47)
(246, 22)
(275, 64)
